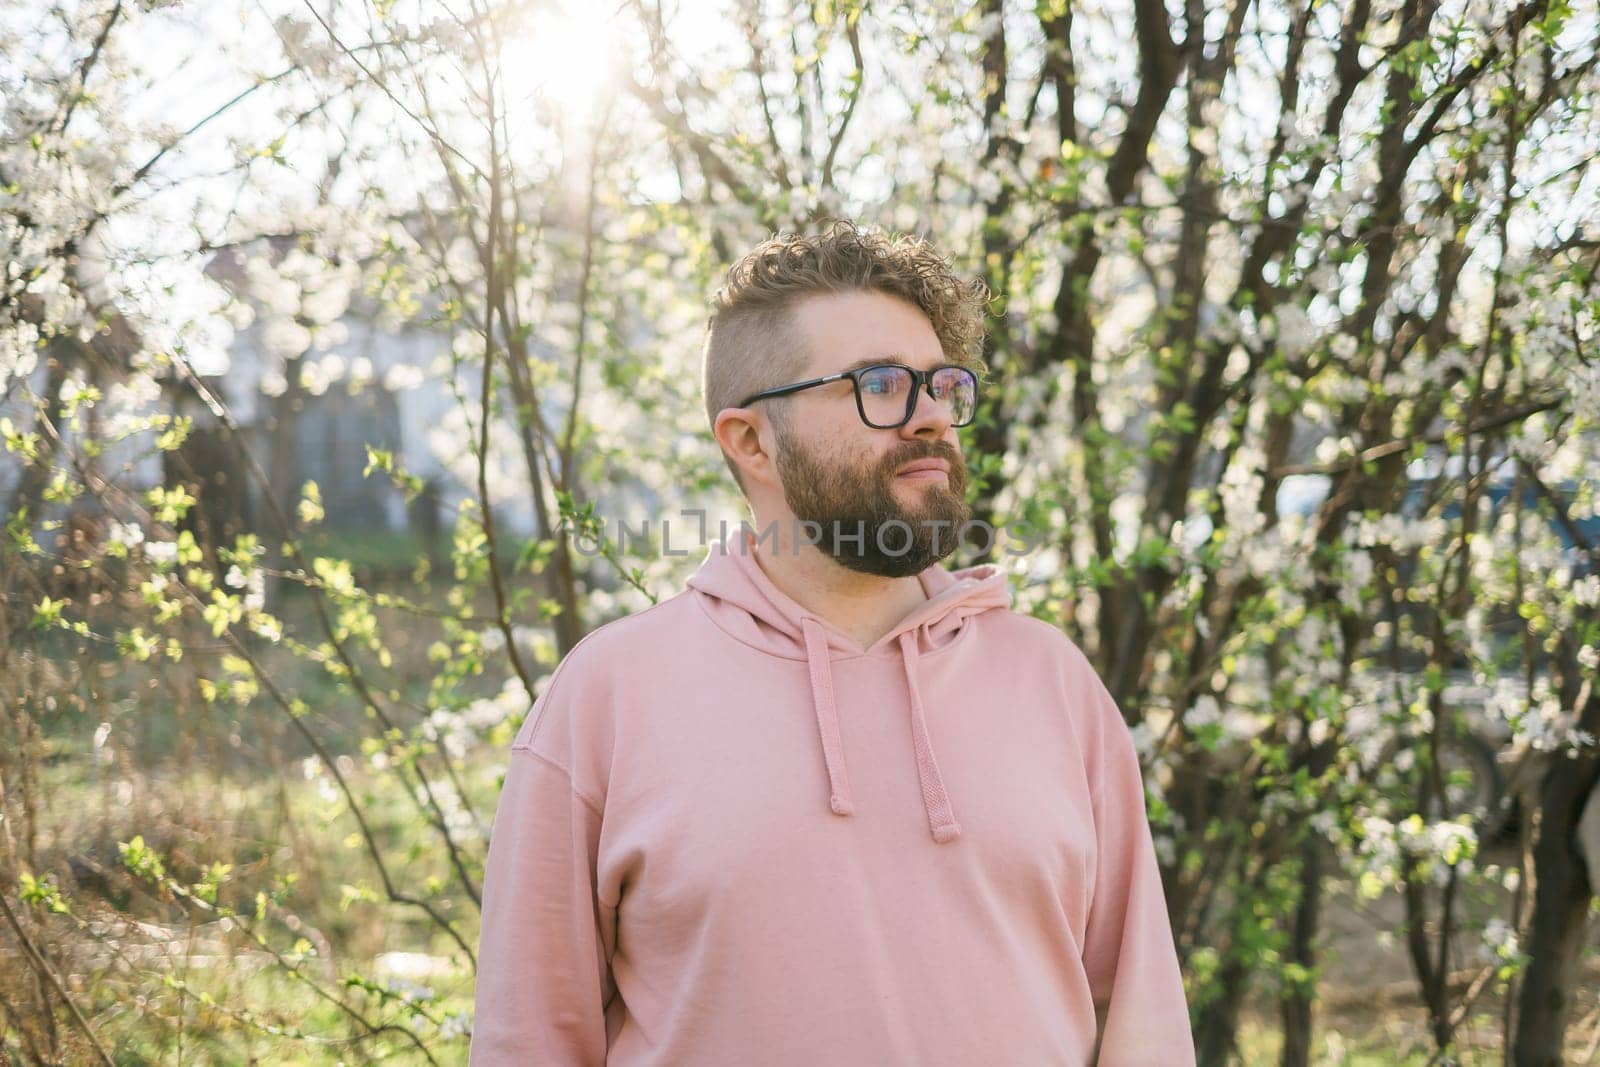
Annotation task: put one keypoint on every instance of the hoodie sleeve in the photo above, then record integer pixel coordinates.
(543, 975)
(1140, 1009)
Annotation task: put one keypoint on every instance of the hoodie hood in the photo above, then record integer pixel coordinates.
(741, 598)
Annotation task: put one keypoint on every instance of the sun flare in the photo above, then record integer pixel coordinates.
(570, 55)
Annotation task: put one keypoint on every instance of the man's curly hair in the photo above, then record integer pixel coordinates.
(751, 342)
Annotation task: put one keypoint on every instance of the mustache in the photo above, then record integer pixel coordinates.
(915, 450)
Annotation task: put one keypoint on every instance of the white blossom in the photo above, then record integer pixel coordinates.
(1203, 712)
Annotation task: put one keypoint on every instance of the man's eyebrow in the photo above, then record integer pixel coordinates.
(870, 361)
(888, 357)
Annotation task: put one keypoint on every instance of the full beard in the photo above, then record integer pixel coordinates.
(862, 525)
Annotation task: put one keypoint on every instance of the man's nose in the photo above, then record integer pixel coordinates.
(929, 417)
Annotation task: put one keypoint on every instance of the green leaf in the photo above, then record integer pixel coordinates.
(47, 613)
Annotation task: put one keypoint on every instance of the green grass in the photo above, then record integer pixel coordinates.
(268, 830)
(206, 784)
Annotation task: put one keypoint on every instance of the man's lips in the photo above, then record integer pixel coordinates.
(925, 470)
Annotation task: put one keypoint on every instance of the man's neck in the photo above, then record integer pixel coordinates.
(865, 606)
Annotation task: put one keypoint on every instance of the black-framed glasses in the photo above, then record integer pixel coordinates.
(886, 393)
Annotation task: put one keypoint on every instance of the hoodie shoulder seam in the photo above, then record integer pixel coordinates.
(588, 802)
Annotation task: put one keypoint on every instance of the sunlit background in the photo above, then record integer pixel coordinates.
(327, 326)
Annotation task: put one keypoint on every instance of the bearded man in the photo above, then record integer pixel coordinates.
(832, 803)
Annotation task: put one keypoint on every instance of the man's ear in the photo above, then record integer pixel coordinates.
(745, 437)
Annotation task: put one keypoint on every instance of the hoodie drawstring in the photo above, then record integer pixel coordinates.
(935, 801)
(941, 819)
(827, 716)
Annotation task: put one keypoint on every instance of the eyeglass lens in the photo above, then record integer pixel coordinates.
(885, 400)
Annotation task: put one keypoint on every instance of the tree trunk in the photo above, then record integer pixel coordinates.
(1216, 1032)
(1299, 997)
(1561, 898)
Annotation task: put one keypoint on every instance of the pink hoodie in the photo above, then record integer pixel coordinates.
(727, 837)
